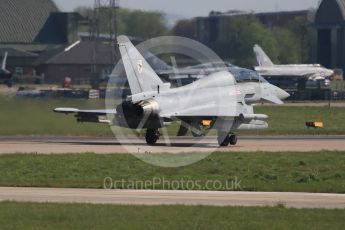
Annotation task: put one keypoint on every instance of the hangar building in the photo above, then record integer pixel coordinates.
(329, 34)
(30, 29)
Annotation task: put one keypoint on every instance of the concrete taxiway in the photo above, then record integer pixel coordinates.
(158, 197)
(58, 145)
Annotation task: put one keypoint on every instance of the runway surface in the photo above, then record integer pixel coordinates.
(58, 145)
(158, 197)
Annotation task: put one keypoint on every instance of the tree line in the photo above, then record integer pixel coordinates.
(135, 23)
(289, 44)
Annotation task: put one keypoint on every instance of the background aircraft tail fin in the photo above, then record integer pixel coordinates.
(156, 63)
(261, 57)
(140, 75)
(3, 66)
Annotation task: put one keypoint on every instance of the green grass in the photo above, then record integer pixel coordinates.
(296, 172)
(36, 117)
(87, 216)
(291, 120)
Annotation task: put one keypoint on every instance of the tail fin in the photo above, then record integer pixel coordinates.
(156, 63)
(3, 66)
(261, 57)
(141, 77)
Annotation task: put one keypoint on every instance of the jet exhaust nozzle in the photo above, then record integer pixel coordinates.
(148, 108)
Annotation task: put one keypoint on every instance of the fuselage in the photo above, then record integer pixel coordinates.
(295, 70)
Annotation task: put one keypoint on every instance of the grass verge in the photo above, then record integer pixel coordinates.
(296, 172)
(85, 216)
(36, 117)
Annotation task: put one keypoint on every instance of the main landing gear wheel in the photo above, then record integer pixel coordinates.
(223, 139)
(227, 139)
(152, 136)
(233, 139)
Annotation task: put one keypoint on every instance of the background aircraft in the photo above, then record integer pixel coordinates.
(266, 67)
(218, 99)
(187, 75)
(5, 75)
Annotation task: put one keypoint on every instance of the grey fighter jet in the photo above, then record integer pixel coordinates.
(5, 75)
(217, 98)
(312, 72)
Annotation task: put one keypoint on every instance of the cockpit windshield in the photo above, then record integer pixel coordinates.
(246, 75)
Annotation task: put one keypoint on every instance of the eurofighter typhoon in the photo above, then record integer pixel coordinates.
(225, 105)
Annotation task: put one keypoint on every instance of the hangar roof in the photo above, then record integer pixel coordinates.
(331, 12)
(83, 52)
(22, 20)
(12, 52)
(341, 4)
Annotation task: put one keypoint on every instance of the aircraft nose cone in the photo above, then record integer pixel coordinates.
(282, 94)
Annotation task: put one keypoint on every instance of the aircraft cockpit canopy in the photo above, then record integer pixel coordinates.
(246, 75)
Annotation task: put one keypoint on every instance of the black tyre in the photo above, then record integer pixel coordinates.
(223, 141)
(152, 136)
(233, 139)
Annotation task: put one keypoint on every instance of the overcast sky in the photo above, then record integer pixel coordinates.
(191, 8)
